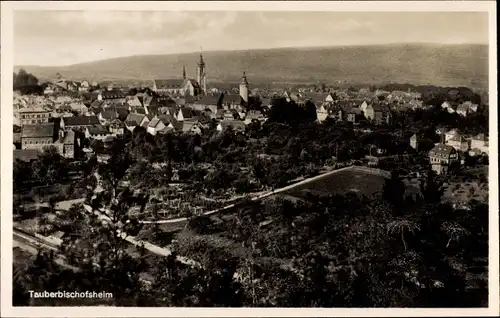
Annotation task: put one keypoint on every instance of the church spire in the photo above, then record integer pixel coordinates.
(184, 71)
(244, 79)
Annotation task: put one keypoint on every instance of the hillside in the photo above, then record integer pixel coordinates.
(445, 65)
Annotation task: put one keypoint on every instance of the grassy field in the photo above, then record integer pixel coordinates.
(361, 182)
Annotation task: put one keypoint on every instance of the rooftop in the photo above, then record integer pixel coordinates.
(38, 131)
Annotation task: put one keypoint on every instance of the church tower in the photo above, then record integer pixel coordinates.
(184, 72)
(202, 74)
(244, 88)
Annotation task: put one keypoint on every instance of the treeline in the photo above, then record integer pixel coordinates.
(27, 83)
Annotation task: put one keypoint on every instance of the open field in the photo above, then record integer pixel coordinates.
(352, 180)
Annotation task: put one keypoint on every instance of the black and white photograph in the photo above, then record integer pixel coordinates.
(230, 156)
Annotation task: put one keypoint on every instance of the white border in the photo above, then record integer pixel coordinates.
(6, 154)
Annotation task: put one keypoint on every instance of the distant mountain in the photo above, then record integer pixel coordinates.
(445, 65)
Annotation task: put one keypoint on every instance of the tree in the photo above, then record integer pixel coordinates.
(401, 225)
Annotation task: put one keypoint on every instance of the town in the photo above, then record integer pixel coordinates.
(263, 195)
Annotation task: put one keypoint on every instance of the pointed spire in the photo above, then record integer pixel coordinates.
(201, 62)
(184, 71)
(244, 78)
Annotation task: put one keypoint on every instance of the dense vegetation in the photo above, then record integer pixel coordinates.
(26, 83)
(322, 250)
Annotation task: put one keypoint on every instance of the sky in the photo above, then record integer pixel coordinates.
(54, 38)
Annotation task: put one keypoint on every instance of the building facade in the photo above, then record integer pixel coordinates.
(33, 115)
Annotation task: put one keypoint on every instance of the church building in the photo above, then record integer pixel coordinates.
(183, 86)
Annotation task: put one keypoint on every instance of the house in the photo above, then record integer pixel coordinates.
(400, 96)
(114, 94)
(353, 114)
(84, 86)
(38, 136)
(321, 98)
(134, 101)
(33, 115)
(472, 107)
(450, 134)
(49, 90)
(379, 113)
(78, 107)
(107, 116)
(211, 102)
(192, 127)
(79, 122)
(442, 157)
(445, 105)
(69, 145)
(321, 113)
(116, 127)
(480, 143)
(185, 100)
(463, 109)
(363, 106)
(232, 101)
(98, 132)
(335, 112)
(185, 113)
(231, 114)
(62, 99)
(155, 125)
(414, 142)
(466, 108)
(135, 120)
(458, 142)
(236, 125)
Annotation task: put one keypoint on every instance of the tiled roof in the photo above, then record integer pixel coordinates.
(441, 151)
(210, 100)
(480, 137)
(188, 125)
(113, 94)
(166, 119)
(154, 122)
(194, 83)
(97, 130)
(81, 121)
(38, 130)
(232, 99)
(97, 103)
(134, 118)
(109, 114)
(188, 112)
(169, 83)
(35, 109)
